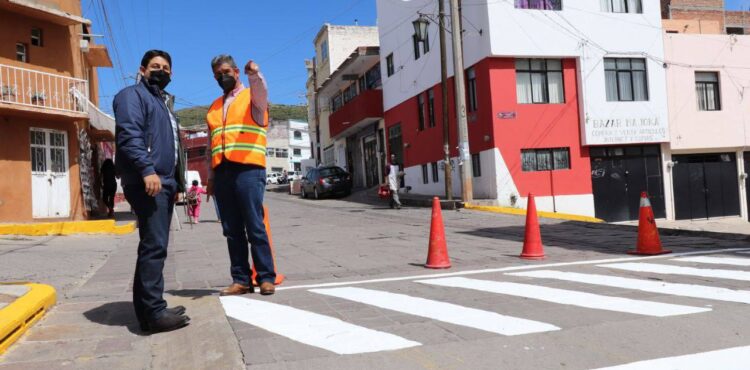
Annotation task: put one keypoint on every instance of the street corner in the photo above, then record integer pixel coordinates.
(68, 228)
(21, 306)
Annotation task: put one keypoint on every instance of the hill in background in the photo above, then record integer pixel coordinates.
(196, 116)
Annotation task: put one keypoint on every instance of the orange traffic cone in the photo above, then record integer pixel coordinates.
(279, 276)
(437, 256)
(532, 240)
(648, 234)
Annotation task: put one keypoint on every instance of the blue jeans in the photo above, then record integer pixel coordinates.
(154, 216)
(239, 190)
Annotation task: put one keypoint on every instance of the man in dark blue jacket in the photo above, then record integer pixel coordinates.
(149, 164)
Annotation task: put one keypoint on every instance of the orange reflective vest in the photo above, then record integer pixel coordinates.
(238, 138)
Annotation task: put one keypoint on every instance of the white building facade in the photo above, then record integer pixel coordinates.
(299, 144)
(333, 45)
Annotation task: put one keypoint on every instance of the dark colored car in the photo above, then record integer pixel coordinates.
(326, 181)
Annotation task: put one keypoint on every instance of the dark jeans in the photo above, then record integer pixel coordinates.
(239, 191)
(154, 216)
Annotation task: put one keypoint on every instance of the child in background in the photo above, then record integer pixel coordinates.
(193, 199)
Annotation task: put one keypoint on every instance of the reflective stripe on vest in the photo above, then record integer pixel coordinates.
(236, 138)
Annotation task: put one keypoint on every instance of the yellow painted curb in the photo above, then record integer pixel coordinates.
(24, 312)
(67, 228)
(522, 212)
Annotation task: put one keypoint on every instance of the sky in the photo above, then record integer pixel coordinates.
(277, 34)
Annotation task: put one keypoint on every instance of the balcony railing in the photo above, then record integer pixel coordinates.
(26, 87)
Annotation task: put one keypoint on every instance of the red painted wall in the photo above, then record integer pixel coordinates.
(535, 126)
(539, 126)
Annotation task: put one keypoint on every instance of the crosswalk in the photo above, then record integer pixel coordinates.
(336, 335)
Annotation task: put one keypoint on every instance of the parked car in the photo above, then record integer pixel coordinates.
(272, 178)
(322, 181)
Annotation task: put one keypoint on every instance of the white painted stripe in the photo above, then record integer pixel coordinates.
(311, 328)
(684, 290)
(716, 260)
(440, 311)
(725, 359)
(504, 269)
(680, 270)
(569, 297)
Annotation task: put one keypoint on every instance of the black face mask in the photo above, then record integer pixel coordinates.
(227, 82)
(159, 78)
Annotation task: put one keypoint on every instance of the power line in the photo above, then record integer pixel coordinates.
(112, 41)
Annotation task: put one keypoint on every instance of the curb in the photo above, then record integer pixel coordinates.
(67, 228)
(522, 212)
(24, 312)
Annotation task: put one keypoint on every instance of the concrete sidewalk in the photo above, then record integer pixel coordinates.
(94, 327)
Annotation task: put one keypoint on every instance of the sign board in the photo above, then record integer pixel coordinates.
(602, 131)
(506, 115)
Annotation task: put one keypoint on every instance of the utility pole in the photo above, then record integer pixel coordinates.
(444, 90)
(316, 150)
(464, 155)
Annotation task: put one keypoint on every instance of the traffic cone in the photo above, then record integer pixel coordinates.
(532, 240)
(648, 234)
(437, 256)
(279, 276)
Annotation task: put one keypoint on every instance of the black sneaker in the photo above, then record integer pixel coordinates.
(168, 322)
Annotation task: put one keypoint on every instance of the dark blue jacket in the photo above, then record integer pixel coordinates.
(144, 134)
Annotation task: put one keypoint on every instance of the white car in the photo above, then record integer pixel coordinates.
(272, 178)
(294, 175)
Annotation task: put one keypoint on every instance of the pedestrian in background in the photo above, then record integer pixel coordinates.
(393, 175)
(193, 199)
(109, 186)
(148, 144)
(237, 122)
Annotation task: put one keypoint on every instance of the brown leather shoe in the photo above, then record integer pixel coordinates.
(267, 288)
(236, 289)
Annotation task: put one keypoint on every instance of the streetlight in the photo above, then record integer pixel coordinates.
(420, 27)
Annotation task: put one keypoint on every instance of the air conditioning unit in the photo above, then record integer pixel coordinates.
(84, 45)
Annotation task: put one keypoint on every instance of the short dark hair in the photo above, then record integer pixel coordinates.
(195, 183)
(221, 59)
(151, 54)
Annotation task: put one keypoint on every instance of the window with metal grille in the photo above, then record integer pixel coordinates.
(545, 159)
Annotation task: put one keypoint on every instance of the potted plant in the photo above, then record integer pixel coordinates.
(8, 93)
(38, 98)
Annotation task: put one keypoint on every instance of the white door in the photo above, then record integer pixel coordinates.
(50, 182)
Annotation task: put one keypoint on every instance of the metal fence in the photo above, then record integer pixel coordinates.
(42, 90)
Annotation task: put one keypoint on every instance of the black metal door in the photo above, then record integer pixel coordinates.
(705, 185)
(610, 189)
(619, 175)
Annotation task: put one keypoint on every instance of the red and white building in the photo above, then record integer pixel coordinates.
(566, 99)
